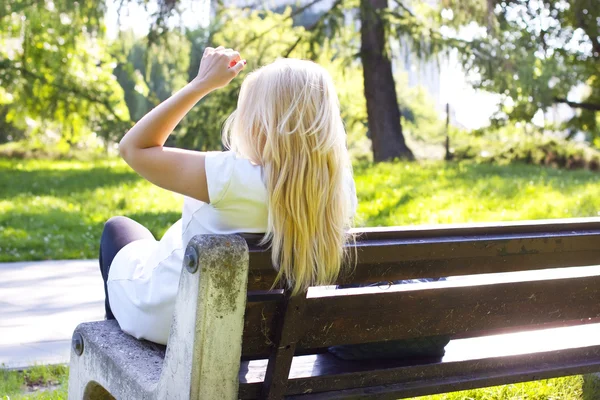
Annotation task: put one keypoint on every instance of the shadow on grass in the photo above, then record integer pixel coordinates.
(42, 182)
(591, 387)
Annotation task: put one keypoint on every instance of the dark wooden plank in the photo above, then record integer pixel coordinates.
(318, 378)
(288, 329)
(390, 258)
(259, 327)
(402, 313)
(482, 228)
(466, 229)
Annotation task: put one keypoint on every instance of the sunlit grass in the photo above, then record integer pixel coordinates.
(436, 193)
(16, 385)
(56, 209)
(566, 388)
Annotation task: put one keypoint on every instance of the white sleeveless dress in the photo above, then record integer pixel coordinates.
(144, 275)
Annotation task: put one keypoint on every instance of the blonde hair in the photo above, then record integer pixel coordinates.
(288, 120)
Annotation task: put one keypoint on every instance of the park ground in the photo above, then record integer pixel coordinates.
(56, 209)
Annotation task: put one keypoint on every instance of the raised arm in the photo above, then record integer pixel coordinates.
(178, 170)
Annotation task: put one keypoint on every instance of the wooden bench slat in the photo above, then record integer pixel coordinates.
(422, 257)
(382, 380)
(404, 311)
(286, 333)
(259, 327)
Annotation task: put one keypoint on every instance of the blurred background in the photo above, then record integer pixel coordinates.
(489, 110)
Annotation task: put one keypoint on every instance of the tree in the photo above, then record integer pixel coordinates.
(535, 53)
(150, 72)
(382, 106)
(55, 71)
(380, 90)
(201, 129)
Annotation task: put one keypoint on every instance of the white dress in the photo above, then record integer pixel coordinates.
(144, 276)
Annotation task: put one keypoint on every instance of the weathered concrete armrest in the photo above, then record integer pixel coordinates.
(204, 349)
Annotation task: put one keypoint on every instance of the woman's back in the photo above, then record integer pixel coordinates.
(288, 175)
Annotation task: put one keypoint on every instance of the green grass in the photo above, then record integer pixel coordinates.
(56, 209)
(44, 382)
(566, 388)
(437, 193)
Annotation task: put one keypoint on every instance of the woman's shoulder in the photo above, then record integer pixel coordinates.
(227, 157)
(228, 172)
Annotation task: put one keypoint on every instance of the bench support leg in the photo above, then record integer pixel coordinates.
(205, 345)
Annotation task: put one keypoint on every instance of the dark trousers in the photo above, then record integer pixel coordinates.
(118, 232)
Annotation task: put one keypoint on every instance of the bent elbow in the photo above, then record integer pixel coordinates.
(123, 150)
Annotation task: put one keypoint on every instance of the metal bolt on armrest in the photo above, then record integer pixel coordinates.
(77, 343)
(190, 260)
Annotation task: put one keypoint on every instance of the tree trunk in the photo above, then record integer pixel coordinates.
(380, 90)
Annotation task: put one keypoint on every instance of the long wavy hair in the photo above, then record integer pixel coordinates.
(288, 120)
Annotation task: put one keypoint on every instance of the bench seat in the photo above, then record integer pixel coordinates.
(140, 363)
(463, 365)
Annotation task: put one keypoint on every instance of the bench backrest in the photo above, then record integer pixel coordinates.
(277, 326)
(221, 315)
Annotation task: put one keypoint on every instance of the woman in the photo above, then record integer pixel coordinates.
(287, 174)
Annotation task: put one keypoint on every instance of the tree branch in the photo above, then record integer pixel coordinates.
(313, 26)
(292, 15)
(583, 105)
(72, 90)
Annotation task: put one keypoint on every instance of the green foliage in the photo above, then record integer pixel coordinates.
(148, 72)
(55, 74)
(261, 37)
(420, 118)
(10, 383)
(534, 54)
(36, 149)
(509, 145)
(61, 72)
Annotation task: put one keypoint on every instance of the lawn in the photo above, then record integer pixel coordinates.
(40, 383)
(56, 209)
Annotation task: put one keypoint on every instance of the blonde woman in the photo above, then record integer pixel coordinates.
(287, 174)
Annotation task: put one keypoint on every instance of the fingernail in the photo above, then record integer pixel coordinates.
(244, 62)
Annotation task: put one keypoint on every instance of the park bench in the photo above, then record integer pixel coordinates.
(233, 338)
